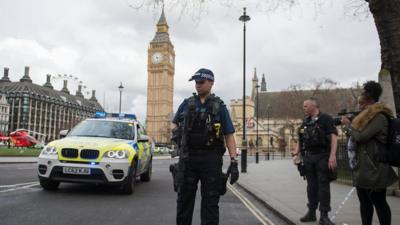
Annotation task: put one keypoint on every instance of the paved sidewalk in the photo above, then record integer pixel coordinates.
(278, 184)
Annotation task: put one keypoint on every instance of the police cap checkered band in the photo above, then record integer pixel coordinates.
(203, 74)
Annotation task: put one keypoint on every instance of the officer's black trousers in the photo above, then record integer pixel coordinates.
(208, 169)
(318, 183)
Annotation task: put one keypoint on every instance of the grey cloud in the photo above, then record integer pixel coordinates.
(105, 42)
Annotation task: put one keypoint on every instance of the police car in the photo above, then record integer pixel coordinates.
(102, 150)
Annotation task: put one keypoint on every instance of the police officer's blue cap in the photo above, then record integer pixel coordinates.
(203, 74)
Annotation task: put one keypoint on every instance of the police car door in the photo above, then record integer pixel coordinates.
(144, 147)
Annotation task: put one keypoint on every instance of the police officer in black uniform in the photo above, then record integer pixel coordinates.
(207, 130)
(317, 146)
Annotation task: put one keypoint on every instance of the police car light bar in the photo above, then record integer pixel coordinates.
(128, 116)
(100, 114)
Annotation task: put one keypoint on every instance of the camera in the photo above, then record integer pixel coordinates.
(350, 115)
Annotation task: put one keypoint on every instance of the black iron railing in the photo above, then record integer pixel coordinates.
(343, 169)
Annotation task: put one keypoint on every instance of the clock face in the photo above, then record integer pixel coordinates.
(157, 57)
(171, 59)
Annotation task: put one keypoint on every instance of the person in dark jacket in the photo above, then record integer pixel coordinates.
(368, 135)
(317, 146)
(208, 131)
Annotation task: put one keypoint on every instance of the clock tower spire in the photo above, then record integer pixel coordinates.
(160, 83)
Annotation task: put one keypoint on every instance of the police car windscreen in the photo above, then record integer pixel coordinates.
(101, 128)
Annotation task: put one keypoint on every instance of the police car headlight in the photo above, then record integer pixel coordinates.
(110, 154)
(49, 150)
(117, 154)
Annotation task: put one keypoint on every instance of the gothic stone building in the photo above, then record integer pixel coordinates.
(43, 110)
(280, 114)
(160, 83)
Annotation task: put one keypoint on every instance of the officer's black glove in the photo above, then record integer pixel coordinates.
(175, 135)
(234, 171)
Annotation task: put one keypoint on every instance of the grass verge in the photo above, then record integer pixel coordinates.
(33, 152)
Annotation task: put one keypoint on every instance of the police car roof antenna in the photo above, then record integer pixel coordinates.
(342, 204)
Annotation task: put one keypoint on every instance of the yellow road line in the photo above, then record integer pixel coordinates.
(252, 208)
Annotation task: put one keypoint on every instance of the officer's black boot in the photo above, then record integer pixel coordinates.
(309, 217)
(324, 219)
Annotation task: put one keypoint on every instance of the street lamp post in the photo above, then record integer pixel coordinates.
(244, 18)
(268, 137)
(120, 87)
(257, 86)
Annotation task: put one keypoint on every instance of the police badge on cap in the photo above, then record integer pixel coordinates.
(203, 74)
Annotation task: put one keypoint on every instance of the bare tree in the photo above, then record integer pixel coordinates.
(387, 20)
(332, 98)
(386, 14)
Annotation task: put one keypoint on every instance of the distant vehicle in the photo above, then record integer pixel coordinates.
(21, 138)
(157, 150)
(112, 151)
(40, 145)
(162, 150)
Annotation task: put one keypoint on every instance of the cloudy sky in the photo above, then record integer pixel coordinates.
(104, 42)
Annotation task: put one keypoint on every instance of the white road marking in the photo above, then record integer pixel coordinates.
(6, 166)
(25, 168)
(19, 168)
(20, 187)
(16, 185)
(253, 209)
(20, 165)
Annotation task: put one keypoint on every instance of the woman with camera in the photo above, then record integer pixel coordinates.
(368, 137)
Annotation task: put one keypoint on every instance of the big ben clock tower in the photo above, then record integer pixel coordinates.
(160, 83)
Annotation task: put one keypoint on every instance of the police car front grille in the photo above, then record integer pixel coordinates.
(89, 154)
(69, 152)
(79, 162)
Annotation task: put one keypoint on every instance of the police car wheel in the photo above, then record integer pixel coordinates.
(128, 187)
(48, 184)
(146, 177)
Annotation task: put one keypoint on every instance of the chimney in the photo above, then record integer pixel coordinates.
(65, 89)
(5, 77)
(79, 91)
(93, 98)
(26, 77)
(48, 83)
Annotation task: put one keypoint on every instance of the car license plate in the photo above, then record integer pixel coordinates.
(76, 170)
